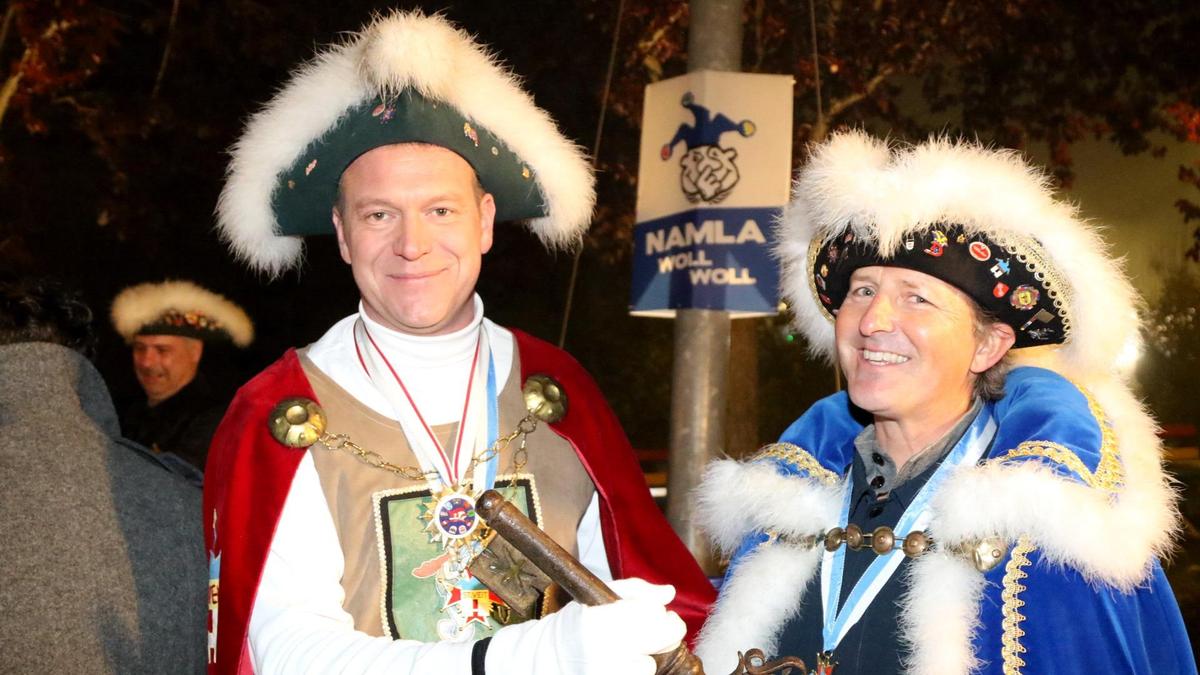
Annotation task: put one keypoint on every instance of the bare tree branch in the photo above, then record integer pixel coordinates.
(648, 43)
(9, 15)
(14, 80)
(822, 126)
(162, 65)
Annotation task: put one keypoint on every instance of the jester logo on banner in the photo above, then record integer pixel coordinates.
(707, 170)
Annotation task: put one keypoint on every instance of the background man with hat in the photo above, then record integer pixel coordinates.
(343, 536)
(167, 325)
(940, 516)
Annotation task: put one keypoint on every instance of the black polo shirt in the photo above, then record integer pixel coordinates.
(183, 424)
(872, 646)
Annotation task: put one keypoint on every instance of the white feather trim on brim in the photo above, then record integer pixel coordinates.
(144, 304)
(856, 182)
(394, 52)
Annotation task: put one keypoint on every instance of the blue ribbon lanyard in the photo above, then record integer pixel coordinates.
(969, 449)
(493, 427)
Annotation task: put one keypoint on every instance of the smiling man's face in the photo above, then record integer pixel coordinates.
(908, 345)
(413, 225)
(164, 364)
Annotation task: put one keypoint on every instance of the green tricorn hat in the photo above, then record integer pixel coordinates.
(405, 78)
(180, 308)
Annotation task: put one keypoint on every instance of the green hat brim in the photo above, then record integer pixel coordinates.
(305, 193)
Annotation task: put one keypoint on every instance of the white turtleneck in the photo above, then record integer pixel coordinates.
(298, 623)
(434, 368)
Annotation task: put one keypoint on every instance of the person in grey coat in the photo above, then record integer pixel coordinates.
(101, 544)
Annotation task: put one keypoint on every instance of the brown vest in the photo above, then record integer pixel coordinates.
(375, 511)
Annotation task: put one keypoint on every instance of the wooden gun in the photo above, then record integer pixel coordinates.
(564, 570)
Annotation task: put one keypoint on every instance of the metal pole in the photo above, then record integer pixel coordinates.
(700, 370)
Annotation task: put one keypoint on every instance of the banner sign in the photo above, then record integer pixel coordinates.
(713, 175)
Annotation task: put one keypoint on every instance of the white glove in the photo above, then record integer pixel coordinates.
(601, 640)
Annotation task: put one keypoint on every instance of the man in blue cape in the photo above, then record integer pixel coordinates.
(987, 496)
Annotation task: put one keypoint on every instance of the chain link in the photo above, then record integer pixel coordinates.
(526, 426)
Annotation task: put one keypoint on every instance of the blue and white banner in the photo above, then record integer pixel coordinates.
(714, 173)
(706, 259)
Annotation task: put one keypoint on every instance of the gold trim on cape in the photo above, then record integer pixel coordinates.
(1109, 474)
(1010, 640)
(801, 458)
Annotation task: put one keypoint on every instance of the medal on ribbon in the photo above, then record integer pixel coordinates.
(454, 515)
(825, 664)
(454, 479)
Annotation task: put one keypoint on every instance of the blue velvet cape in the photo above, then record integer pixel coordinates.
(1058, 621)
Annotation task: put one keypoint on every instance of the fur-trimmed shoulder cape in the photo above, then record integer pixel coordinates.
(1073, 486)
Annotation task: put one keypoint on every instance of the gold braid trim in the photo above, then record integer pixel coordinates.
(1010, 640)
(801, 458)
(1029, 252)
(1063, 455)
(814, 250)
(1109, 474)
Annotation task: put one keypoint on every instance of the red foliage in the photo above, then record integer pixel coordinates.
(1185, 120)
(62, 44)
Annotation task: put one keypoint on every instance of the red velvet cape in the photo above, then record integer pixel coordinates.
(249, 474)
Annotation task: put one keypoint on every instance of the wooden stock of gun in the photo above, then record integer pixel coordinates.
(516, 528)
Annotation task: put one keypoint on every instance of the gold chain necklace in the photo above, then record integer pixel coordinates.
(527, 425)
(300, 422)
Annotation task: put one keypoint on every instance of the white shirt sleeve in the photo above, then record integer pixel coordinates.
(589, 539)
(298, 623)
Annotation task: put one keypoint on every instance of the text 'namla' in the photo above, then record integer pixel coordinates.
(696, 261)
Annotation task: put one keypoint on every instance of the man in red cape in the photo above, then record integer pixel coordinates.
(336, 483)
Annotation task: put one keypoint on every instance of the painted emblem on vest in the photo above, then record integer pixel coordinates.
(428, 592)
